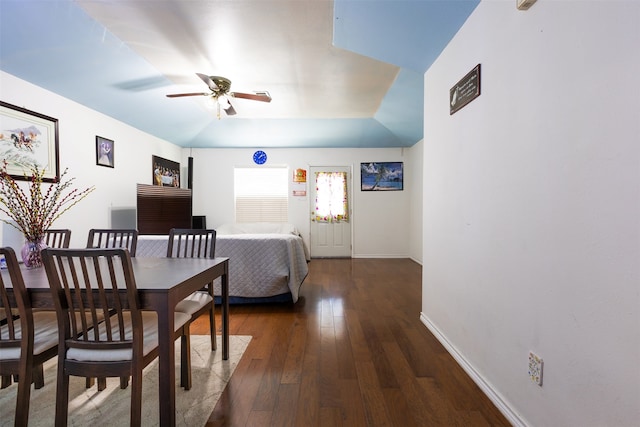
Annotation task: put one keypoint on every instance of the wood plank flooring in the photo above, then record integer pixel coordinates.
(351, 352)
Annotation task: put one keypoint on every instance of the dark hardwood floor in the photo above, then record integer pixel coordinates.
(351, 352)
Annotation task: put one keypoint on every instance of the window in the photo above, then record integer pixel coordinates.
(331, 197)
(261, 194)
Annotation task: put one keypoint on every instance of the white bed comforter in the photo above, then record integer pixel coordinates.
(260, 265)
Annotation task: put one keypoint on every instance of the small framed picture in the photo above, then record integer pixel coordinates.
(104, 152)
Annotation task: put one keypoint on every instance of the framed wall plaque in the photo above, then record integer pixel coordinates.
(465, 91)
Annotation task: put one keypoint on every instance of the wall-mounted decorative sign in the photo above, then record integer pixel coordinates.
(382, 176)
(104, 152)
(28, 138)
(465, 91)
(299, 182)
(300, 175)
(165, 172)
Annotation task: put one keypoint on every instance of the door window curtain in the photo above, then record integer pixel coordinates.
(331, 197)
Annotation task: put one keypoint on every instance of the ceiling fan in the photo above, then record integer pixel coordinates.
(219, 87)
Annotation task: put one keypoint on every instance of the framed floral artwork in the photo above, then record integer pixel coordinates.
(28, 138)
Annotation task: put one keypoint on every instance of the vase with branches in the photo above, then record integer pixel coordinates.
(33, 210)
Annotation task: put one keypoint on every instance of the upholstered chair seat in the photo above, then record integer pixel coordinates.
(149, 333)
(45, 330)
(194, 302)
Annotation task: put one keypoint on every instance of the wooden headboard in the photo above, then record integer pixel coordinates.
(160, 209)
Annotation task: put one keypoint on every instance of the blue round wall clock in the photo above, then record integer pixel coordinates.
(260, 157)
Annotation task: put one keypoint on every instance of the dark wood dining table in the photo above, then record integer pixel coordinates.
(161, 283)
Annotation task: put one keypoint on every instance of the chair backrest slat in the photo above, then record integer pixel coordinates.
(96, 286)
(113, 238)
(191, 243)
(57, 238)
(6, 314)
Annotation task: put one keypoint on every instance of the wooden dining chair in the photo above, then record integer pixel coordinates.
(195, 243)
(120, 345)
(26, 340)
(113, 238)
(57, 238)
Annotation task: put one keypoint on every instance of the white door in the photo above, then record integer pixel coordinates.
(329, 239)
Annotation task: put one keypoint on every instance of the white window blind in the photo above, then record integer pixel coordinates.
(261, 194)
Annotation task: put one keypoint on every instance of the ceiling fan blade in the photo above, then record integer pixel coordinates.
(259, 96)
(207, 80)
(177, 95)
(230, 111)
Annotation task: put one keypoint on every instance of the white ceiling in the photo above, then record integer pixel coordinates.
(345, 74)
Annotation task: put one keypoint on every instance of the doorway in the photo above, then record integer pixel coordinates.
(330, 207)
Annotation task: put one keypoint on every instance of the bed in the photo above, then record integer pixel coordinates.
(267, 261)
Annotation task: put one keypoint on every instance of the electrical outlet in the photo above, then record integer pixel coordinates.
(535, 368)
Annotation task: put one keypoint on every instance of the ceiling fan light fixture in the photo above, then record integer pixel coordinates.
(211, 102)
(223, 84)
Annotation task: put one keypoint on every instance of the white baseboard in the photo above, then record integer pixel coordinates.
(486, 388)
(380, 256)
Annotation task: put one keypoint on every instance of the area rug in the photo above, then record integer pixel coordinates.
(110, 407)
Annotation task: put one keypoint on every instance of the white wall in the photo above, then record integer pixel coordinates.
(532, 209)
(380, 220)
(414, 177)
(78, 127)
(374, 212)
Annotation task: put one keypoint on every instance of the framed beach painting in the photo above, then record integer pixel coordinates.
(165, 172)
(28, 138)
(381, 176)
